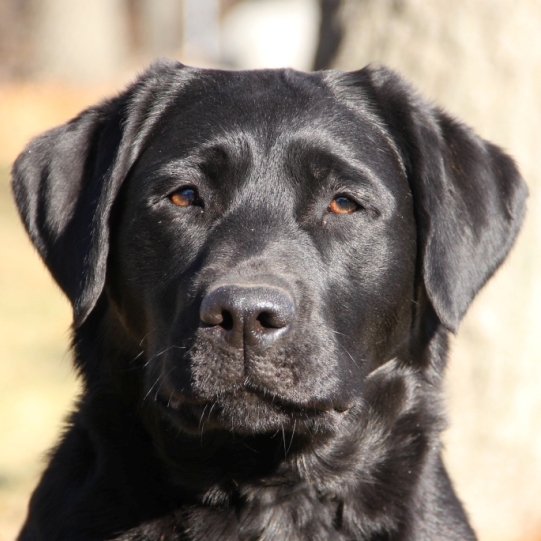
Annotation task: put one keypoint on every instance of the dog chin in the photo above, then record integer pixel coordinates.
(246, 413)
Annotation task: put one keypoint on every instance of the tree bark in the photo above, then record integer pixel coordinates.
(80, 41)
(331, 32)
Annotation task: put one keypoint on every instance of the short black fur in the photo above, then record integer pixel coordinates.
(257, 362)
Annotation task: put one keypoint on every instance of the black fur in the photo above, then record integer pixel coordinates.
(319, 421)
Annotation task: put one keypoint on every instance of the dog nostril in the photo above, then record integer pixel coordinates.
(227, 320)
(267, 321)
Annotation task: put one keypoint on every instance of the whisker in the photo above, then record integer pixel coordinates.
(201, 424)
(144, 337)
(167, 349)
(350, 356)
(161, 353)
(158, 379)
(292, 435)
(340, 333)
(137, 356)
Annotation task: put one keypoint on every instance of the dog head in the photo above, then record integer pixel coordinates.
(264, 240)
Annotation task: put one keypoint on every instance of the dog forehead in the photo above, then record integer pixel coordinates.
(270, 116)
(267, 105)
(271, 94)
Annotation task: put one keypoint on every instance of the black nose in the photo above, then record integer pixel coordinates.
(248, 314)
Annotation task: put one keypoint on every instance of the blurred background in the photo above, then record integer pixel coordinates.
(480, 59)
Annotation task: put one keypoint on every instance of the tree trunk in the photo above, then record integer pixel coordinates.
(481, 60)
(80, 41)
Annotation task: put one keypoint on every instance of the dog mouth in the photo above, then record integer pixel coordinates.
(249, 410)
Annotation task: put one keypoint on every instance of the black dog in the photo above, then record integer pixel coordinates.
(264, 267)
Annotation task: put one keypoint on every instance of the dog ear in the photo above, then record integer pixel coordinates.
(65, 183)
(468, 194)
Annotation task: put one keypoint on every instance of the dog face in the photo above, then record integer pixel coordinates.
(250, 253)
(266, 257)
(264, 240)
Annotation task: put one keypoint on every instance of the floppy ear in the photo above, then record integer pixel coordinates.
(468, 194)
(65, 183)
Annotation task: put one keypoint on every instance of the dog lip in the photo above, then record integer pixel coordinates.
(295, 408)
(290, 406)
(177, 400)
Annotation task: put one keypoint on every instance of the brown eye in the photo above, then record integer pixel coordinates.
(343, 205)
(184, 197)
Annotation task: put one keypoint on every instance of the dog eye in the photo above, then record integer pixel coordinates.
(343, 205)
(185, 197)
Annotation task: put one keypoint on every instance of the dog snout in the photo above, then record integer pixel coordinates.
(246, 314)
